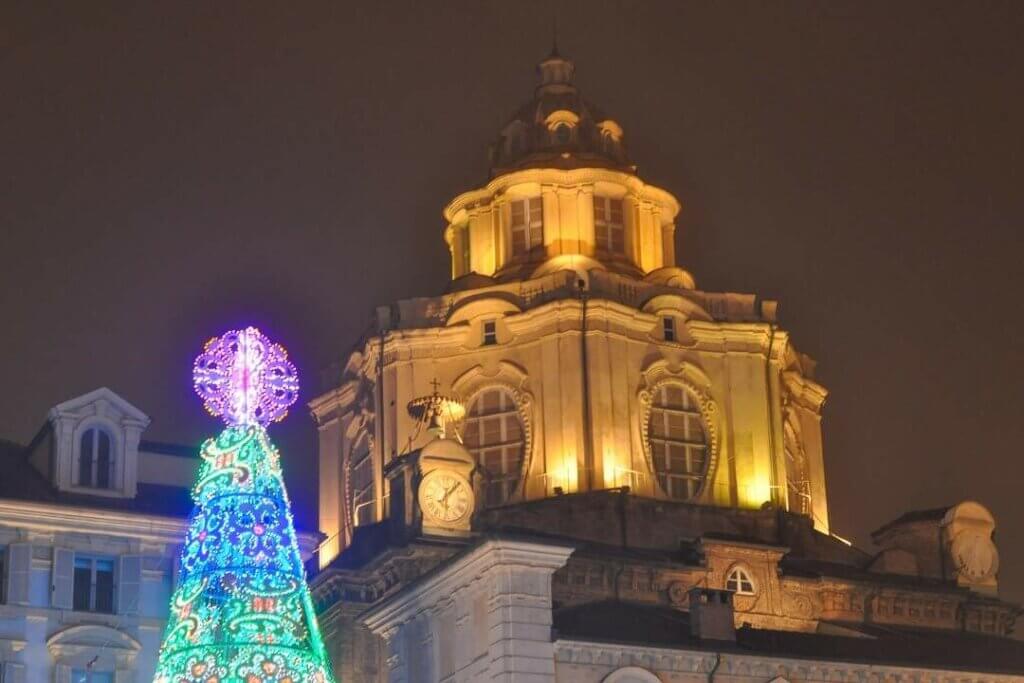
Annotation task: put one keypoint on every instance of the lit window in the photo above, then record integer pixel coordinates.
(527, 225)
(739, 582)
(609, 227)
(94, 585)
(95, 459)
(668, 327)
(361, 481)
(89, 676)
(493, 433)
(490, 333)
(679, 450)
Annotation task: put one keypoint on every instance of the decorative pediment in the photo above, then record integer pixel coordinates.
(100, 402)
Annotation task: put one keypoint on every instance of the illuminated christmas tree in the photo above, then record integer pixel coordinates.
(242, 612)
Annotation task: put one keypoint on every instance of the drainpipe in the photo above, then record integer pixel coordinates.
(714, 669)
(588, 438)
(774, 493)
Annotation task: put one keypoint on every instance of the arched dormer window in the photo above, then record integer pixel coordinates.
(739, 582)
(96, 459)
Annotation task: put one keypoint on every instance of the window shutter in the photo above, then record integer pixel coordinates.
(19, 573)
(62, 589)
(129, 584)
(62, 673)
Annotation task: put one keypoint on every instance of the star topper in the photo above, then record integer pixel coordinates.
(245, 378)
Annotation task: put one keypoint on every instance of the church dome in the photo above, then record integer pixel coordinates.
(558, 128)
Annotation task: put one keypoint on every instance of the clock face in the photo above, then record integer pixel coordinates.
(445, 496)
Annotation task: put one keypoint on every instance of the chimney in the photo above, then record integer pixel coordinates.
(711, 615)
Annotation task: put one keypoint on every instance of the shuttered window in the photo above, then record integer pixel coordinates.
(609, 225)
(678, 443)
(93, 584)
(493, 432)
(129, 584)
(18, 566)
(527, 223)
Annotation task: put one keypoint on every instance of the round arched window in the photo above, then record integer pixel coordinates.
(95, 459)
(739, 582)
(678, 441)
(493, 432)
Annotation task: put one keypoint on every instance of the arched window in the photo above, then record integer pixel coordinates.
(361, 482)
(739, 582)
(493, 433)
(797, 478)
(95, 459)
(679, 448)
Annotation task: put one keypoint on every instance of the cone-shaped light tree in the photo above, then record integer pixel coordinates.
(242, 612)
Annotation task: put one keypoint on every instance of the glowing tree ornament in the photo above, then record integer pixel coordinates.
(242, 612)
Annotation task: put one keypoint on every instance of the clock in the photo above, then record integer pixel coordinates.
(445, 496)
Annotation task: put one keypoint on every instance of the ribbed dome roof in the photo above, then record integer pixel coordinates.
(558, 128)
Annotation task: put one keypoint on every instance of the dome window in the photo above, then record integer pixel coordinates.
(739, 582)
(494, 433)
(678, 441)
(527, 225)
(609, 226)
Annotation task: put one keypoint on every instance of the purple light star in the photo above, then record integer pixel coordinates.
(245, 379)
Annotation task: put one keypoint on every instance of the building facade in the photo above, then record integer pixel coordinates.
(576, 465)
(92, 517)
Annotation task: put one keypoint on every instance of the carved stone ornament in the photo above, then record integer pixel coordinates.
(975, 555)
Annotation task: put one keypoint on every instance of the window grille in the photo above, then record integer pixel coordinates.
(527, 225)
(678, 443)
(739, 582)
(361, 473)
(493, 433)
(609, 225)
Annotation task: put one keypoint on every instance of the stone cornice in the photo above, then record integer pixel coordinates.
(52, 518)
(435, 588)
(756, 667)
(553, 176)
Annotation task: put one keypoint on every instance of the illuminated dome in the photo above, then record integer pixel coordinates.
(557, 128)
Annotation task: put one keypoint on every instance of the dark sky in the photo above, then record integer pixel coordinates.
(173, 169)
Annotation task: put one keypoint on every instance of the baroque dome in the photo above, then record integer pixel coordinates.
(558, 128)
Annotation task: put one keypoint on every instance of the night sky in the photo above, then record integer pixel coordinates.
(169, 171)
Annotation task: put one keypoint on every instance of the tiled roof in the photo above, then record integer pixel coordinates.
(21, 481)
